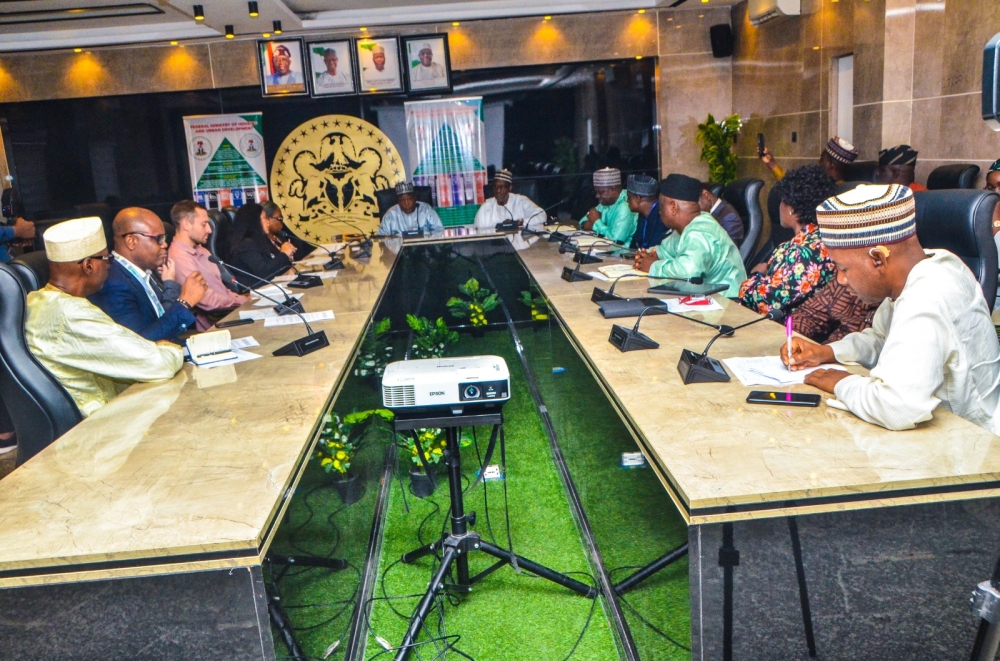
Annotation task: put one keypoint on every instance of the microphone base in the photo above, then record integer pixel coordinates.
(601, 295)
(333, 265)
(290, 306)
(695, 368)
(507, 226)
(413, 234)
(306, 282)
(581, 258)
(557, 236)
(572, 275)
(629, 339)
(304, 345)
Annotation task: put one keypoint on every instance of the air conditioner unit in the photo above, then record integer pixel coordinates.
(764, 11)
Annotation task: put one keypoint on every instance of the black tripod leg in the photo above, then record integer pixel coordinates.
(800, 572)
(412, 556)
(284, 628)
(539, 570)
(729, 557)
(656, 565)
(425, 605)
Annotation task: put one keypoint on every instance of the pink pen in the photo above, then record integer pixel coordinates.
(788, 336)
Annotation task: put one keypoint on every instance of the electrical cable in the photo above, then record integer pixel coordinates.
(653, 627)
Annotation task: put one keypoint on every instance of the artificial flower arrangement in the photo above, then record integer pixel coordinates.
(430, 340)
(478, 303)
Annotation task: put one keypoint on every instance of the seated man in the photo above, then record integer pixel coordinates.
(698, 246)
(834, 159)
(409, 215)
(897, 165)
(84, 349)
(131, 294)
(724, 212)
(505, 205)
(189, 256)
(644, 201)
(611, 218)
(931, 342)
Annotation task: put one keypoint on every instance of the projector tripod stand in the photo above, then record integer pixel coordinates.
(460, 542)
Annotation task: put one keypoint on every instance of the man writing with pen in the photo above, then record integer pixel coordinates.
(697, 247)
(931, 342)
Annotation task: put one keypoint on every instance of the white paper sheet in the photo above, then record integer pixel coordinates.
(675, 305)
(597, 275)
(613, 271)
(768, 371)
(314, 260)
(283, 278)
(244, 342)
(241, 357)
(326, 275)
(274, 291)
(263, 302)
(289, 319)
(257, 315)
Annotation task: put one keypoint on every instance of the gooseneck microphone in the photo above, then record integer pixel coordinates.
(702, 368)
(574, 274)
(506, 225)
(631, 339)
(334, 263)
(300, 347)
(610, 295)
(365, 245)
(289, 306)
(532, 217)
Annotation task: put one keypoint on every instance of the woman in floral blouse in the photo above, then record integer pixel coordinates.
(801, 265)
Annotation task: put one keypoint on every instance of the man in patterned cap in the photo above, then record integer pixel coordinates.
(931, 342)
(281, 62)
(698, 246)
(505, 205)
(409, 215)
(94, 358)
(837, 155)
(644, 200)
(897, 165)
(611, 218)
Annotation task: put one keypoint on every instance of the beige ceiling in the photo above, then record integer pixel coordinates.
(27, 25)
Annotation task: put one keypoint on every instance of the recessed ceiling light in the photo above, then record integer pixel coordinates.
(454, 24)
(641, 11)
(266, 35)
(77, 50)
(364, 29)
(173, 43)
(548, 18)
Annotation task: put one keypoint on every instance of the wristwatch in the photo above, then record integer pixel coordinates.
(184, 303)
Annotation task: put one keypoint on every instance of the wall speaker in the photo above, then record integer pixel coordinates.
(991, 82)
(722, 40)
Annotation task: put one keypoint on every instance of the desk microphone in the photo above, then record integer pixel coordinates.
(585, 258)
(300, 347)
(609, 295)
(701, 368)
(364, 246)
(334, 263)
(289, 306)
(532, 217)
(507, 225)
(626, 339)
(574, 275)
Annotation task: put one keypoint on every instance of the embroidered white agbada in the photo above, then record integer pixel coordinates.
(934, 345)
(518, 207)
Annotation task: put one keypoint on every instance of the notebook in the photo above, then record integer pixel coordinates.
(208, 348)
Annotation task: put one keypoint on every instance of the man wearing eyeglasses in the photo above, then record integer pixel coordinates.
(132, 295)
(94, 358)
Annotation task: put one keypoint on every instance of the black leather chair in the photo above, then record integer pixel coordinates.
(956, 175)
(217, 221)
(716, 189)
(230, 213)
(744, 195)
(39, 406)
(32, 269)
(863, 171)
(961, 221)
(779, 234)
(386, 197)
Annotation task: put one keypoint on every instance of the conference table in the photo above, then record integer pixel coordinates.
(142, 532)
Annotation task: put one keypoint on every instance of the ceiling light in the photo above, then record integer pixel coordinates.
(638, 57)
(173, 43)
(641, 11)
(276, 28)
(266, 35)
(229, 32)
(199, 13)
(77, 50)
(815, 47)
(252, 6)
(548, 18)
(364, 29)
(454, 24)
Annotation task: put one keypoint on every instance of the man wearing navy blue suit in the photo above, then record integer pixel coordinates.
(132, 295)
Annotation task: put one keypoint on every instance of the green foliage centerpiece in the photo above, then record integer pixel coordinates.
(538, 306)
(434, 444)
(717, 140)
(339, 441)
(430, 339)
(375, 353)
(478, 302)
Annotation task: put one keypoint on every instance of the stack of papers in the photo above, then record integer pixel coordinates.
(214, 349)
(289, 319)
(618, 270)
(599, 242)
(768, 371)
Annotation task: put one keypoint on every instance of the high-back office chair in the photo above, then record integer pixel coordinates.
(863, 171)
(229, 212)
(386, 197)
(716, 189)
(961, 221)
(956, 175)
(32, 269)
(39, 406)
(214, 242)
(527, 187)
(744, 195)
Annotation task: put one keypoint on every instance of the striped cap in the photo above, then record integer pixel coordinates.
(404, 187)
(841, 150)
(608, 178)
(504, 175)
(866, 216)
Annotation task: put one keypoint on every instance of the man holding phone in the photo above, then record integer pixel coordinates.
(932, 341)
(836, 157)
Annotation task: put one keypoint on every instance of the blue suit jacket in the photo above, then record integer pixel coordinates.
(123, 299)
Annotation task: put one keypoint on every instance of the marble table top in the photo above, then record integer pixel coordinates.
(191, 472)
(723, 459)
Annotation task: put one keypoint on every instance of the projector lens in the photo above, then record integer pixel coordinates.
(472, 392)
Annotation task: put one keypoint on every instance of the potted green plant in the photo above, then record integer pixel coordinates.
(539, 309)
(478, 302)
(717, 140)
(375, 354)
(434, 444)
(430, 339)
(340, 439)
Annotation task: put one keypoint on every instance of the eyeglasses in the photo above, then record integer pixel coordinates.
(993, 188)
(280, 219)
(104, 258)
(159, 238)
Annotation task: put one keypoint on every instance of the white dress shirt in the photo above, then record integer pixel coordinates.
(934, 345)
(518, 207)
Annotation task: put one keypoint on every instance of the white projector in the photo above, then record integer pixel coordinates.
(470, 383)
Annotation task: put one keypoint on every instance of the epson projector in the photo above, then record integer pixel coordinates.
(446, 384)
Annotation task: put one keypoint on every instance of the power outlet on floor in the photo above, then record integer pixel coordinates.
(493, 474)
(633, 460)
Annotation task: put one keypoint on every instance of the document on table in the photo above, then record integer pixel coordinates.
(599, 242)
(211, 347)
(264, 302)
(257, 315)
(289, 319)
(675, 305)
(239, 356)
(244, 342)
(314, 260)
(613, 271)
(566, 229)
(274, 291)
(768, 371)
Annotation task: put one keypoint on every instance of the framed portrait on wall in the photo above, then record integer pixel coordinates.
(428, 63)
(282, 70)
(331, 67)
(378, 65)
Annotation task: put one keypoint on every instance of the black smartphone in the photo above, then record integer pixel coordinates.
(783, 398)
(234, 322)
(760, 145)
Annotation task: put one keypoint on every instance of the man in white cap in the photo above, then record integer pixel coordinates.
(931, 342)
(409, 214)
(611, 218)
(505, 205)
(84, 349)
(836, 156)
(426, 69)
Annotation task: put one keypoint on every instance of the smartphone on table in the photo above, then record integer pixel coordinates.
(783, 398)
